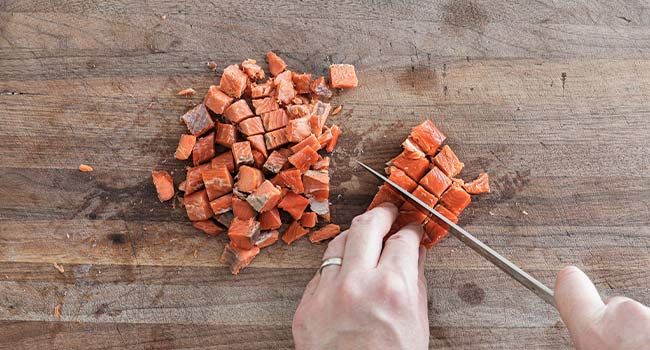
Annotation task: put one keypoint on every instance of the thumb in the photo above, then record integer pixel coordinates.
(577, 299)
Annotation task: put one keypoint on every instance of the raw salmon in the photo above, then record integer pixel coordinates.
(336, 132)
(217, 181)
(428, 198)
(294, 232)
(276, 64)
(226, 135)
(310, 141)
(319, 88)
(186, 92)
(243, 233)
(270, 220)
(194, 179)
(224, 159)
(317, 128)
(265, 105)
(435, 181)
(317, 184)
(252, 69)
(408, 213)
(251, 126)
(216, 100)
(208, 226)
(284, 90)
(237, 258)
(241, 209)
(185, 146)
(198, 120)
(448, 162)
(257, 143)
(298, 129)
(414, 168)
(275, 120)
(294, 204)
(298, 111)
(258, 158)
(436, 229)
(399, 177)
(337, 110)
(322, 164)
(238, 111)
(85, 168)
(412, 150)
(249, 179)
(301, 82)
(304, 158)
(386, 194)
(291, 179)
(309, 219)
(233, 81)
(197, 206)
(322, 110)
(428, 137)
(181, 186)
(265, 197)
(275, 162)
(327, 232)
(262, 90)
(343, 76)
(276, 138)
(242, 153)
(203, 149)
(267, 238)
(455, 199)
(164, 185)
(480, 185)
(222, 204)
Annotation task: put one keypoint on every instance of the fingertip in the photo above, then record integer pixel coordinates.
(568, 274)
(576, 296)
(388, 206)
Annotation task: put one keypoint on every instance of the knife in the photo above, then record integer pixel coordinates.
(484, 250)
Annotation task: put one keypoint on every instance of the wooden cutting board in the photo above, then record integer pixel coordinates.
(550, 99)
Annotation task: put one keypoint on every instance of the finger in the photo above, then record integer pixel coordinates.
(577, 298)
(365, 237)
(402, 250)
(422, 257)
(335, 249)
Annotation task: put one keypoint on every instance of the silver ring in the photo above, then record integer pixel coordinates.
(330, 261)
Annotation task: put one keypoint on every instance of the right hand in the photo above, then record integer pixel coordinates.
(618, 323)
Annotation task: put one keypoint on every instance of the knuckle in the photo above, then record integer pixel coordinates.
(362, 220)
(349, 291)
(393, 289)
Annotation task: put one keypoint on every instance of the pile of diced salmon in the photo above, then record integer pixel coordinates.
(429, 173)
(259, 149)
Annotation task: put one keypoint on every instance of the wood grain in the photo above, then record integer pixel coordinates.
(549, 98)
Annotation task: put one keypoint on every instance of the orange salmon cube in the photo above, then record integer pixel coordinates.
(217, 181)
(251, 126)
(317, 184)
(386, 194)
(284, 90)
(319, 88)
(258, 158)
(309, 219)
(242, 153)
(197, 206)
(241, 209)
(435, 181)
(164, 185)
(265, 105)
(198, 120)
(448, 162)
(323, 164)
(237, 258)
(249, 179)
(276, 64)
(224, 159)
(216, 100)
(327, 232)
(310, 141)
(399, 177)
(222, 204)
(185, 146)
(414, 168)
(257, 143)
(226, 135)
(343, 76)
(265, 197)
(304, 158)
(455, 199)
(301, 82)
(208, 226)
(233, 81)
(194, 180)
(291, 179)
(422, 194)
(294, 232)
(412, 150)
(243, 233)
(294, 204)
(252, 69)
(275, 162)
(428, 137)
(336, 132)
(276, 138)
(238, 111)
(436, 229)
(275, 120)
(270, 220)
(262, 90)
(267, 238)
(480, 185)
(298, 111)
(298, 129)
(203, 149)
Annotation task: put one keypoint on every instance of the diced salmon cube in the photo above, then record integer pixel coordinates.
(291, 179)
(181, 186)
(319, 88)
(185, 146)
(217, 181)
(224, 159)
(436, 229)
(343, 76)
(317, 184)
(233, 81)
(435, 181)
(455, 199)
(242, 153)
(322, 208)
(222, 204)
(414, 168)
(276, 64)
(323, 164)
(309, 219)
(327, 232)
(237, 258)
(310, 141)
(243, 233)
(267, 238)
(238, 112)
(409, 213)
(203, 149)
(285, 92)
(164, 185)
(301, 82)
(294, 232)
(294, 204)
(276, 138)
(428, 137)
(226, 135)
(197, 206)
(336, 132)
(265, 105)
(194, 179)
(259, 158)
(275, 162)
(208, 226)
(249, 179)
(265, 197)
(304, 158)
(216, 100)
(251, 126)
(270, 220)
(412, 150)
(422, 194)
(399, 177)
(257, 143)
(386, 194)
(322, 110)
(241, 209)
(298, 111)
(480, 185)
(298, 129)
(448, 162)
(275, 120)
(198, 120)
(262, 90)
(252, 69)
(317, 129)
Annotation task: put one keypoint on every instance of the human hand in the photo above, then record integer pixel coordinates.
(377, 299)
(618, 323)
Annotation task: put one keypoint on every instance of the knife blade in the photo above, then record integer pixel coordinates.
(475, 244)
